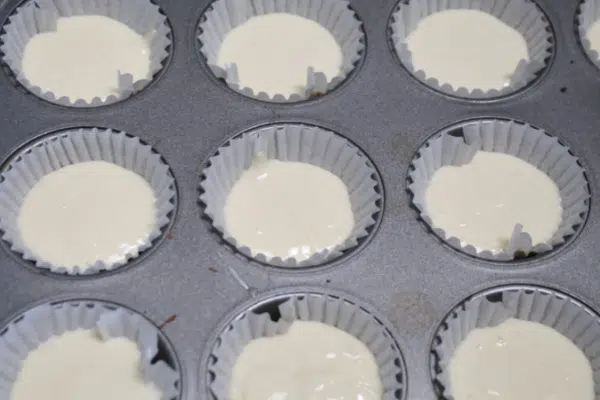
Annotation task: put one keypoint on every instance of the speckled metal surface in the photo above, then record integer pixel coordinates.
(404, 272)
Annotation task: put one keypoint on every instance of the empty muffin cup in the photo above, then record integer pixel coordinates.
(42, 323)
(136, 28)
(299, 144)
(87, 146)
(333, 16)
(588, 27)
(459, 145)
(332, 310)
(491, 308)
(517, 18)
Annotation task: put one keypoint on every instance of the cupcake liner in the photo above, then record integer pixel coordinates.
(298, 143)
(40, 323)
(588, 14)
(491, 308)
(331, 310)
(334, 15)
(40, 16)
(531, 145)
(72, 147)
(522, 15)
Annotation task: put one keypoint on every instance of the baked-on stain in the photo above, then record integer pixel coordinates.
(168, 321)
(414, 311)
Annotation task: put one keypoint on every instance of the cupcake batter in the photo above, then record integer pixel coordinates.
(520, 360)
(82, 59)
(80, 365)
(288, 209)
(467, 48)
(273, 53)
(481, 202)
(311, 361)
(87, 212)
(593, 35)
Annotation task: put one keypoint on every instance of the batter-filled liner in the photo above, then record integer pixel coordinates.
(40, 16)
(522, 15)
(41, 323)
(297, 143)
(523, 141)
(331, 310)
(72, 147)
(553, 309)
(334, 15)
(588, 14)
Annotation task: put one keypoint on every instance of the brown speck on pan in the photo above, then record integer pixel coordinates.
(168, 321)
(316, 94)
(212, 270)
(169, 236)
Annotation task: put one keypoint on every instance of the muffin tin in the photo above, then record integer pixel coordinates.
(193, 286)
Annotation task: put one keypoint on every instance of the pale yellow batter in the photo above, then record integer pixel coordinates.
(288, 209)
(87, 212)
(467, 48)
(481, 202)
(273, 53)
(520, 360)
(593, 35)
(80, 365)
(82, 59)
(311, 361)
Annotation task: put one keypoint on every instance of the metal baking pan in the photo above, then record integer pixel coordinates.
(404, 273)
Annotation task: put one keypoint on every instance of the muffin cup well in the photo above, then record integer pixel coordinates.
(311, 306)
(37, 325)
(334, 15)
(522, 15)
(72, 147)
(531, 145)
(588, 14)
(296, 143)
(545, 306)
(40, 16)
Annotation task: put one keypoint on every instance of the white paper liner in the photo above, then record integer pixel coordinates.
(75, 146)
(40, 323)
(334, 15)
(522, 15)
(331, 310)
(588, 13)
(298, 143)
(39, 16)
(553, 309)
(531, 145)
